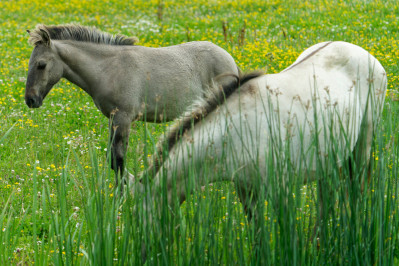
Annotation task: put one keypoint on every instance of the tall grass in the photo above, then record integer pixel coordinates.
(357, 225)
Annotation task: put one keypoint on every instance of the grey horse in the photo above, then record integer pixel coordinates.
(127, 82)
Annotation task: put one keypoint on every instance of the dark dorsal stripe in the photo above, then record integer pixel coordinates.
(75, 32)
(189, 119)
(308, 56)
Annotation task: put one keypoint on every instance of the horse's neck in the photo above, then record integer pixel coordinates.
(83, 63)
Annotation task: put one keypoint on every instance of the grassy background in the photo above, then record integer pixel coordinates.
(56, 192)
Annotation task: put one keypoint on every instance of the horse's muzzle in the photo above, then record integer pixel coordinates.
(33, 101)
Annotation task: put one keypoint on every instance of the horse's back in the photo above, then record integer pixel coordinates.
(333, 71)
(329, 94)
(210, 58)
(347, 58)
(323, 98)
(340, 72)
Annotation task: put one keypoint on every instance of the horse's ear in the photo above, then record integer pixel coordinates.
(45, 37)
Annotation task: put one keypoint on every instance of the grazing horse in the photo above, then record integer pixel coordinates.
(126, 82)
(328, 101)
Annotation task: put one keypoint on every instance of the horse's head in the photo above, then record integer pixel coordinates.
(45, 68)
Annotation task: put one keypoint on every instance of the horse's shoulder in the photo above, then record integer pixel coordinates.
(251, 87)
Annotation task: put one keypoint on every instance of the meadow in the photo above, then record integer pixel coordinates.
(57, 196)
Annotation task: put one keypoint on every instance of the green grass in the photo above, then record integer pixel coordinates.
(56, 191)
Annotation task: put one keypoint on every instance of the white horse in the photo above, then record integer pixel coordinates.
(328, 101)
(127, 82)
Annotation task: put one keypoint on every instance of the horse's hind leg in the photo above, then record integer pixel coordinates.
(246, 197)
(249, 200)
(361, 165)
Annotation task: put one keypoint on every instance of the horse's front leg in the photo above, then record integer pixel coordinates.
(119, 138)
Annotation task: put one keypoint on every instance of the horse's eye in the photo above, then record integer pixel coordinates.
(41, 65)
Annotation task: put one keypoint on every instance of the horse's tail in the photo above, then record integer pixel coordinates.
(196, 112)
(248, 76)
(227, 89)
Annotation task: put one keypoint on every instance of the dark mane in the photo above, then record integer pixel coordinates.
(199, 111)
(75, 32)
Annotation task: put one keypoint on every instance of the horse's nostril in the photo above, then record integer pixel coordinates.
(30, 101)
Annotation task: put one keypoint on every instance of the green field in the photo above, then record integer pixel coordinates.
(57, 195)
